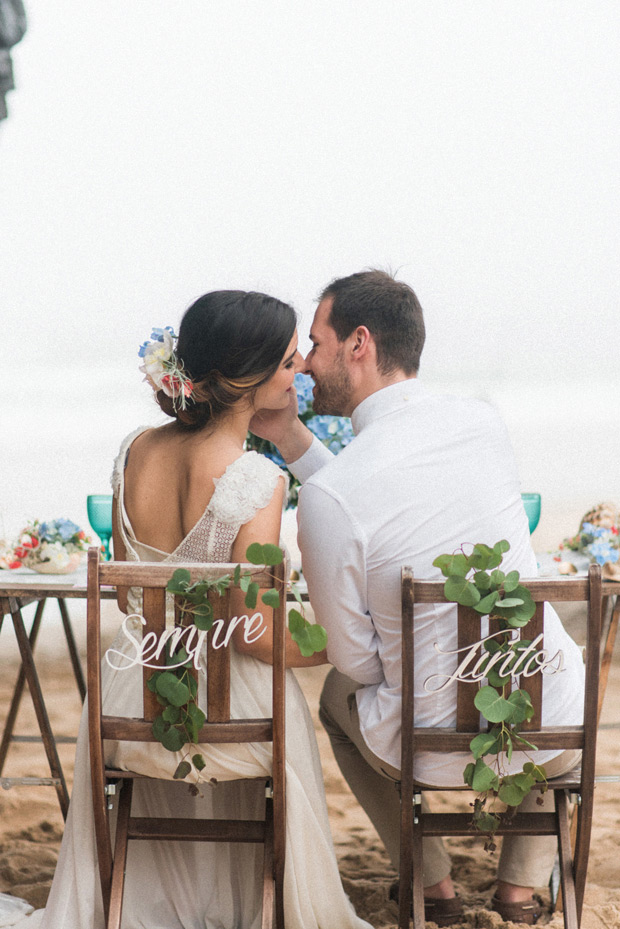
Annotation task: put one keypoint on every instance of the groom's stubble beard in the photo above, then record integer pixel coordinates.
(333, 389)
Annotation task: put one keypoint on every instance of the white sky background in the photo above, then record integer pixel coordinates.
(158, 150)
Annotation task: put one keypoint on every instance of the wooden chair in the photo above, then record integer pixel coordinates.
(578, 783)
(219, 728)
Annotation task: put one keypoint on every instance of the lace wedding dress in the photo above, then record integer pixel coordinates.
(196, 885)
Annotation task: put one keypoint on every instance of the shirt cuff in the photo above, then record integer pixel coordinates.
(312, 460)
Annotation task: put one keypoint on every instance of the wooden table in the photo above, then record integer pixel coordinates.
(17, 590)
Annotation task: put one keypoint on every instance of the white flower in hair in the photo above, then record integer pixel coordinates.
(161, 367)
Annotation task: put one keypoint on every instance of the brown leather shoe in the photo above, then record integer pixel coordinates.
(444, 911)
(526, 911)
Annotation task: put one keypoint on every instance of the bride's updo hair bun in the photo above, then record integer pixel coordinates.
(230, 343)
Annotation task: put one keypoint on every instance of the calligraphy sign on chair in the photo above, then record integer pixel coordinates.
(219, 728)
(580, 781)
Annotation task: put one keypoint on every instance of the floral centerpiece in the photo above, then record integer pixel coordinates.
(598, 539)
(53, 547)
(335, 432)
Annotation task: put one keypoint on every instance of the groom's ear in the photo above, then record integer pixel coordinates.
(362, 343)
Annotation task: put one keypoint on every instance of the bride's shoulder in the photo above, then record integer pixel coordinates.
(246, 486)
(120, 461)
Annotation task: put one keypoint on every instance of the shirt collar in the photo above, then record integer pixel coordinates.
(384, 401)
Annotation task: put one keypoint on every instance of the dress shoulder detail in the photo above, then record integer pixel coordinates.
(247, 485)
(118, 471)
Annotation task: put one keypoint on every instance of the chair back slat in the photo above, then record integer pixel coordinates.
(534, 684)
(467, 716)
(218, 668)
(154, 612)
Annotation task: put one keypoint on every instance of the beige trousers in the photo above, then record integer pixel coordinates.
(526, 861)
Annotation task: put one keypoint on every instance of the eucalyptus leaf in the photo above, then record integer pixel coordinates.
(492, 705)
(171, 714)
(199, 762)
(172, 689)
(482, 580)
(487, 822)
(481, 556)
(317, 636)
(183, 769)
(159, 727)
(484, 777)
(296, 622)
(237, 575)
(244, 583)
(522, 703)
(486, 743)
(536, 771)
(497, 577)
(511, 581)
(174, 739)
(268, 554)
(451, 565)
(510, 793)
(271, 598)
(500, 548)
(487, 603)
(459, 590)
(179, 581)
(251, 595)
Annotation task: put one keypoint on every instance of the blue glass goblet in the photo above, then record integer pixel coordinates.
(99, 509)
(531, 502)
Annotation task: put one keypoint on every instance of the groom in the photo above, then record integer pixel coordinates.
(424, 474)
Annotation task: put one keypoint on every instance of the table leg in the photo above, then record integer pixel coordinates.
(45, 729)
(18, 690)
(73, 652)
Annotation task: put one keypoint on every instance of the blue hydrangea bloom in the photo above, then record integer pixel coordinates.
(603, 552)
(273, 454)
(598, 532)
(303, 386)
(158, 334)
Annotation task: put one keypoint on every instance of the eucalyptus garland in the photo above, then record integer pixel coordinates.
(477, 581)
(178, 724)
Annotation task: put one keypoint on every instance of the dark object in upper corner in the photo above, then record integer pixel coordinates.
(12, 30)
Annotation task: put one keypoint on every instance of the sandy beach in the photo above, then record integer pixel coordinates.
(31, 825)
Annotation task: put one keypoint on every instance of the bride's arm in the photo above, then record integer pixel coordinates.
(265, 528)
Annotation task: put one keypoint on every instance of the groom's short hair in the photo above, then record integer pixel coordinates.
(390, 311)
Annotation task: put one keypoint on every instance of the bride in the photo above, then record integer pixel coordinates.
(187, 491)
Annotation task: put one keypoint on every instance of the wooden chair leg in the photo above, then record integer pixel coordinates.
(269, 896)
(418, 886)
(120, 855)
(405, 874)
(569, 898)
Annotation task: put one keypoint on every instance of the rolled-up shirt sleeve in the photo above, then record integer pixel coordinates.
(334, 564)
(313, 459)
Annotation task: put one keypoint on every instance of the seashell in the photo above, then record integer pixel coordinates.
(566, 567)
(611, 572)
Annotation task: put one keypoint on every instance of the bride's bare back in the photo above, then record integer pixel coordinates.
(169, 480)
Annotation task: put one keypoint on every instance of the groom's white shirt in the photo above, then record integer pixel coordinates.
(424, 474)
